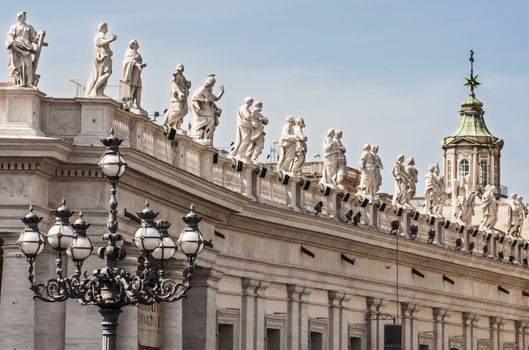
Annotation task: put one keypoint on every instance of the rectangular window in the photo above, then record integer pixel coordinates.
(423, 347)
(355, 343)
(316, 341)
(225, 337)
(273, 339)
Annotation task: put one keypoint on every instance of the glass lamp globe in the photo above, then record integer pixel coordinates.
(191, 242)
(166, 250)
(147, 238)
(113, 165)
(61, 235)
(80, 249)
(31, 243)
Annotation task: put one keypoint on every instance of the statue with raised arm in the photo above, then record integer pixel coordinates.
(257, 136)
(244, 130)
(301, 147)
(368, 172)
(489, 209)
(287, 146)
(330, 160)
(401, 183)
(102, 69)
(178, 107)
(205, 113)
(378, 169)
(523, 213)
(513, 217)
(132, 67)
(413, 174)
(23, 56)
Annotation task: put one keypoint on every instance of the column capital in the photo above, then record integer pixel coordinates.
(470, 319)
(249, 285)
(408, 310)
(374, 304)
(298, 293)
(335, 298)
(440, 314)
(495, 322)
(206, 277)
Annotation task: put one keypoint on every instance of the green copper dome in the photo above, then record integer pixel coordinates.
(471, 122)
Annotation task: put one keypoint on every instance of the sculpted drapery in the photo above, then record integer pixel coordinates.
(205, 113)
(102, 69)
(178, 107)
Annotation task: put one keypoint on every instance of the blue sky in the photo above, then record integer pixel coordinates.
(385, 72)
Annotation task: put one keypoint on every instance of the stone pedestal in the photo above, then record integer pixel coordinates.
(96, 120)
(20, 111)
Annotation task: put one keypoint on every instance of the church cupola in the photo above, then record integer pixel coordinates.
(472, 151)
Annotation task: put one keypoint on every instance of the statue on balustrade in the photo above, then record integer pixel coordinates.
(131, 89)
(523, 213)
(102, 63)
(463, 200)
(341, 160)
(378, 168)
(434, 191)
(413, 174)
(301, 147)
(23, 56)
(401, 183)
(178, 107)
(287, 146)
(204, 111)
(244, 130)
(330, 160)
(257, 138)
(513, 217)
(369, 177)
(489, 209)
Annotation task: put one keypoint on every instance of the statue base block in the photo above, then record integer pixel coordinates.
(20, 111)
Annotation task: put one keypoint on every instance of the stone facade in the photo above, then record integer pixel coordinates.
(278, 277)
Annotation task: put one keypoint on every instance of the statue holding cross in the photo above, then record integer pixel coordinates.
(23, 56)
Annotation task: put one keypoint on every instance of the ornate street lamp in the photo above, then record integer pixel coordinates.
(110, 288)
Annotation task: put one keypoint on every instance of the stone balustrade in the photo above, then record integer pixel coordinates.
(84, 121)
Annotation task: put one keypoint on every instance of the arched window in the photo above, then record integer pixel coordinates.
(483, 173)
(449, 174)
(464, 167)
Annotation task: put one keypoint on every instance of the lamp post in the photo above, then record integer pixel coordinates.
(111, 287)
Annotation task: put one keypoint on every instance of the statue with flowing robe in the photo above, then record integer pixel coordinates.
(287, 146)
(413, 174)
(489, 209)
(132, 67)
(523, 213)
(368, 172)
(22, 54)
(378, 169)
(102, 69)
(204, 111)
(330, 160)
(341, 160)
(301, 147)
(257, 138)
(513, 216)
(244, 130)
(178, 107)
(401, 182)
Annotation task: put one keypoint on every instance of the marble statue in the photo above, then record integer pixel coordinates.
(489, 209)
(204, 111)
(301, 147)
(287, 146)
(341, 160)
(401, 183)
(330, 160)
(257, 138)
(23, 56)
(178, 107)
(244, 130)
(523, 213)
(412, 173)
(368, 172)
(514, 214)
(378, 168)
(132, 67)
(102, 69)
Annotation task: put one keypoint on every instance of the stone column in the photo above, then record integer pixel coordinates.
(253, 314)
(496, 339)
(172, 312)
(335, 301)
(470, 341)
(440, 333)
(297, 317)
(199, 319)
(17, 308)
(344, 333)
(410, 334)
(520, 329)
(374, 342)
